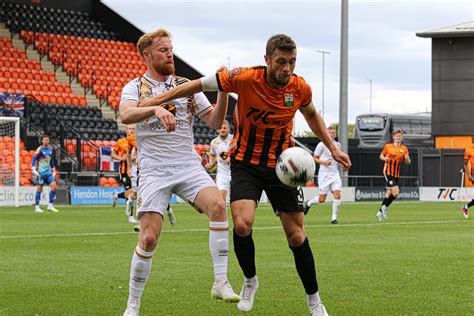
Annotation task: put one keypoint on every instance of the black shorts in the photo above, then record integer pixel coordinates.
(248, 181)
(125, 181)
(391, 181)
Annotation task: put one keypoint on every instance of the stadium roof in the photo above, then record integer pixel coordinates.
(458, 30)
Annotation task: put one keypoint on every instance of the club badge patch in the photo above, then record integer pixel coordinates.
(288, 99)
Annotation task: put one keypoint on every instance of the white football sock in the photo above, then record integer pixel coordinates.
(313, 201)
(140, 271)
(313, 299)
(219, 248)
(335, 208)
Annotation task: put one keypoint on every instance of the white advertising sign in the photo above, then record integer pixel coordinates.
(27, 196)
(446, 194)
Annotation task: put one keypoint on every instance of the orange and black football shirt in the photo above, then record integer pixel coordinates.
(469, 156)
(396, 154)
(264, 115)
(121, 149)
(132, 145)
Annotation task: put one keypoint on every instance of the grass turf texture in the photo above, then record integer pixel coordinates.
(76, 262)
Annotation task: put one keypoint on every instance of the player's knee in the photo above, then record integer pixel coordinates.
(149, 240)
(322, 199)
(40, 189)
(296, 237)
(217, 210)
(241, 227)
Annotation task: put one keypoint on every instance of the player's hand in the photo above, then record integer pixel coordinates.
(35, 172)
(326, 162)
(208, 166)
(166, 118)
(227, 161)
(222, 68)
(341, 158)
(407, 160)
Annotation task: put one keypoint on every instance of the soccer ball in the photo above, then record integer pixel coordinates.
(295, 167)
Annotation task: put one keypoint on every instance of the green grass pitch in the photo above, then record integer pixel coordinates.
(76, 262)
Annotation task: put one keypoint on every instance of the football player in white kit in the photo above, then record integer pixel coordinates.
(167, 164)
(132, 160)
(218, 153)
(329, 179)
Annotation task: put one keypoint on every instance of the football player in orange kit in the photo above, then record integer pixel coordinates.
(393, 155)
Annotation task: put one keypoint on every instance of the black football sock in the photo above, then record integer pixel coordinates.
(245, 251)
(470, 203)
(304, 262)
(390, 200)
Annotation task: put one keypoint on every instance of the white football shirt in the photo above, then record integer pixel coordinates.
(157, 147)
(324, 154)
(219, 147)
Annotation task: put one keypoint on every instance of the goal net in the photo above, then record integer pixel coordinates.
(10, 160)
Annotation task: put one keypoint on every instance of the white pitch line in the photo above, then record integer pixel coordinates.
(255, 228)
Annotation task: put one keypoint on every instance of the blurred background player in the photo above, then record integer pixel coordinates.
(132, 160)
(329, 179)
(120, 152)
(218, 153)
(45, 173)
(469, 171)
(393, 155)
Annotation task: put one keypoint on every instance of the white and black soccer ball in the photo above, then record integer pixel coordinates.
(295, 167)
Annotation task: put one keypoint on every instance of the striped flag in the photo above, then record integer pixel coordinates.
(107, 163)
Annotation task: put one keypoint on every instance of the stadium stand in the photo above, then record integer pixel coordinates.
(86, 52)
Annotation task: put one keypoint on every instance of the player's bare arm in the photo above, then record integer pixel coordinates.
(320, 161)
(383, 157)
(467, 170)
(407, 159)
(130, 113)
(181, 91)
(212, 161)
(117, 156)
(316, 123)
(216, 117)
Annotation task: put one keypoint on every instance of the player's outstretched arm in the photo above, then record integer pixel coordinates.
(316, 123)
(181, 91)
(130, 113)
(216, 117)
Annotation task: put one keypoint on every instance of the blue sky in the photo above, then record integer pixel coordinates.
(383, 46)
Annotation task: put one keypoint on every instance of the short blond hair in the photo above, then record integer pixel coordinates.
(147, 39)
(397, 131)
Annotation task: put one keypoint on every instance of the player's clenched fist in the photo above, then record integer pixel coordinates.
(166, 118)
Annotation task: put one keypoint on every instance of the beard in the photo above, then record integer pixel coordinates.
(165, 69)
(278, 80)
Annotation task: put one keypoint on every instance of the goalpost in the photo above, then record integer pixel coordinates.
(10, 157)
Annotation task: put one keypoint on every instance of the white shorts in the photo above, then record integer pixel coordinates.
(329, 183)
(157, 184)
(223, 181)
(134, 178)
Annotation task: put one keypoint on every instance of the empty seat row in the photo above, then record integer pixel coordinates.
(35, 18)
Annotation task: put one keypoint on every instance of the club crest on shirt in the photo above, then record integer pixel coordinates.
(235, 72)
(288, 99)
